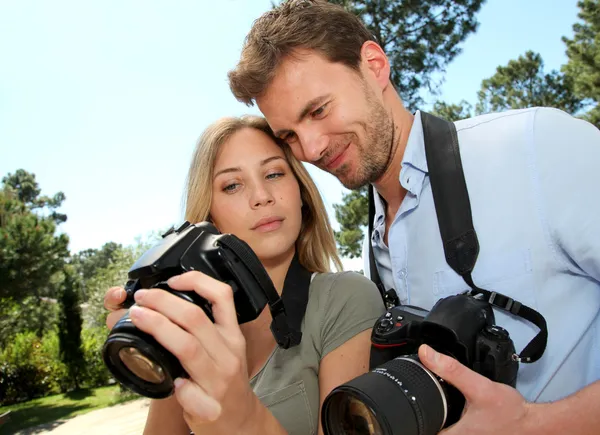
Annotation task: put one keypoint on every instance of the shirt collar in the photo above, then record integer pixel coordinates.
(414, 168)
(414, 153)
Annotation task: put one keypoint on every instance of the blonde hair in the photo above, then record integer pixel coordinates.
(296, 24)
(315, 244)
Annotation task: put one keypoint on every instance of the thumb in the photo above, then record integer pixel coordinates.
(471, 384)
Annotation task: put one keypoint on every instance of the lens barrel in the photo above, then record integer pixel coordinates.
(398, 397)
(139, 362)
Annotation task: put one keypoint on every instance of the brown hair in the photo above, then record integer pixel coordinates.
(295, 24)
(315, 245)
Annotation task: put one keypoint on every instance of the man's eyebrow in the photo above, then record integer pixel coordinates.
(308, 107)
(238, 169)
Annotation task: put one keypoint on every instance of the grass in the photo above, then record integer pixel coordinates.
(61, 406)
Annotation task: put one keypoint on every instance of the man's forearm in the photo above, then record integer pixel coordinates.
(576, 414)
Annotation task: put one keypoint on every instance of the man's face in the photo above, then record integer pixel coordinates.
(332, 116)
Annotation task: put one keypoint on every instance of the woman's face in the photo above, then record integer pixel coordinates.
(256, 195)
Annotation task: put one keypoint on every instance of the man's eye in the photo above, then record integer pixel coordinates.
(289, 137)
(319, 112)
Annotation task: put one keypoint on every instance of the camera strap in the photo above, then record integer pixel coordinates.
(453, 210)
(390, 298)
(288, 310)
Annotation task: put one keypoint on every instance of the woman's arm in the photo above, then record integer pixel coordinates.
(165, 416)
(348, 361)
(217, 397)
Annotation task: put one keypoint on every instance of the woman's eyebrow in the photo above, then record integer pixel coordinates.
(238, 169)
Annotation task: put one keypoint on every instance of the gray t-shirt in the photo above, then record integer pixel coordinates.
(340, 305)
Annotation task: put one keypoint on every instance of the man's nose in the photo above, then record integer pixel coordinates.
(314, 146)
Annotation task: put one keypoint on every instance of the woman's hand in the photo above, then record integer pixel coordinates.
(113, 299)
(217, 397)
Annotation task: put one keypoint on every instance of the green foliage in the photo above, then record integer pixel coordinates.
(32, 367)
(89, 261)
(30, 314)
(420, 37)
(522, 83)
(29, 368)
(96, 373)
(352, 216)
(69, 326)
(584, 57)
(30, 252)
(114, 274)
(452, 112)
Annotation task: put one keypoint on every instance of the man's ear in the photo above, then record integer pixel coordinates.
(375, 62)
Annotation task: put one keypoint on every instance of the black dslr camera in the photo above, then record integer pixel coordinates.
(135, 358)
(400, 394)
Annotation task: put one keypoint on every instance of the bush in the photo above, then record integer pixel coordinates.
(24, 370)
(96, 374)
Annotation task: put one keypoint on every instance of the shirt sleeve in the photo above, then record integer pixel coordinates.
(353, 304)
(567, 152)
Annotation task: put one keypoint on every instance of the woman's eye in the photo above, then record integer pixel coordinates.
(230, 187)
(275, 175)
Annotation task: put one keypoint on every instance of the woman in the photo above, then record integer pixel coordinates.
(249, 185)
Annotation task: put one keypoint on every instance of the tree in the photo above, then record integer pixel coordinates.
(69, 327)
(90, 261)
(522, 83)
(583, 52)
(30, 251)
(452, 112)
(352, 216)
(420, 37)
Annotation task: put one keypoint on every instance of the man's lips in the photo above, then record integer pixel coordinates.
(337, 160)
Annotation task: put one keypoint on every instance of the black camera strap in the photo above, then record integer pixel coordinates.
(453, 210)
(390, 298)
(288, 310)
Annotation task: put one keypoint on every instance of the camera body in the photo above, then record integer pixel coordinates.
(461, 326)
(199, 247)
(400, 395)
(134, 357)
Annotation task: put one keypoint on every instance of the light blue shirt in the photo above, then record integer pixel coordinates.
(533, 178)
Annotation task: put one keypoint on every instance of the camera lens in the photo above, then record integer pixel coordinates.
(139, 362)
(352, 416)
(141, 366)
(398, 397)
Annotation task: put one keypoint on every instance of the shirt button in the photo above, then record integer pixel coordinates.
(402, 273)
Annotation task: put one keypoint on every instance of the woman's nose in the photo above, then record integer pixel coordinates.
(261, 196)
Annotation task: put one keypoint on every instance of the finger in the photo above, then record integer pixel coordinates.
(199, 405)
(114, 297)
(192, 319)
(216, 292)
(184, 346)
(471, 384)
(113, 317)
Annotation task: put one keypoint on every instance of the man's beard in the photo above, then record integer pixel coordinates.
(375, 154)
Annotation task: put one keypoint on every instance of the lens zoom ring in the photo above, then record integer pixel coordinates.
(421, 392)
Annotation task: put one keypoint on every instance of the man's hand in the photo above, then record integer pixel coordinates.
(491, 408)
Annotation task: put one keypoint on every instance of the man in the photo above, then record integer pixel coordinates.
(323, 84)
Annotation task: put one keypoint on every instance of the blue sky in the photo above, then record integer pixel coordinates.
(105, 100)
